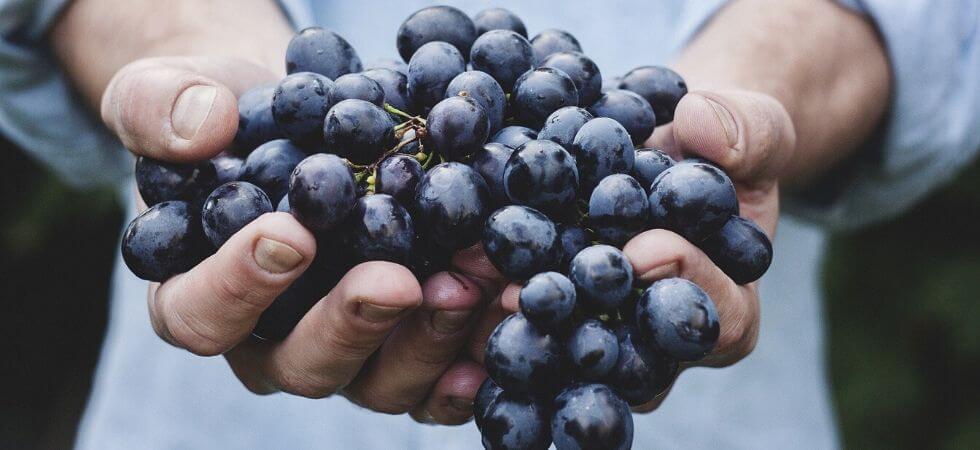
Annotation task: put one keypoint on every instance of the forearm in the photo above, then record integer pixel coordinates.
(95, 38)
(824, 63)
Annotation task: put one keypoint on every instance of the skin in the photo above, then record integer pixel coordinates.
(403, 346)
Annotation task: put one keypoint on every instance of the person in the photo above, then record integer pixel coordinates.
(857, 109)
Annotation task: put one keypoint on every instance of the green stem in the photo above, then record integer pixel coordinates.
(398, 112)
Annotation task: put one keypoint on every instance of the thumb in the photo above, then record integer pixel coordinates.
(178, 109)
(749, 134)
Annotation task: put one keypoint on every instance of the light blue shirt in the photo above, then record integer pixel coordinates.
(149, 395)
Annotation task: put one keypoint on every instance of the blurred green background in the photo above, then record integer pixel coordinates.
(904, 298)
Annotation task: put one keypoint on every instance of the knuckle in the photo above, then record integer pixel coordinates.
(738, 339)
(194, 336)
(239, 294)
(304, 385)
(380, 402)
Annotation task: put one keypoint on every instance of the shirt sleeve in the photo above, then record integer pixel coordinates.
(930, 132)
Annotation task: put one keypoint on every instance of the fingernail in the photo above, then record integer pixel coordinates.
(661, 272)
(450, 321)
(726, 119)
(191, 108)
(378, 314)
(275, 256)
(461, 404)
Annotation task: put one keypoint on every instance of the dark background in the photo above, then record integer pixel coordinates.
(903, 301)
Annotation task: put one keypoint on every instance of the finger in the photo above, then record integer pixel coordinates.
(474, 263)
(658, 254)
(423, 346)
(504, 305)
(748, 134)
(451, 399)
(216, 304)
(332, 341)
(178, 108)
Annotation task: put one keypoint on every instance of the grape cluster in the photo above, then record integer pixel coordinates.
(483, 137)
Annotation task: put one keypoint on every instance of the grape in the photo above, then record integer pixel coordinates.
(457, 127)
(630, 110)
(321, 51)
(395, 87)
(693, 200)
(321, 192)
(488, 392)
(660, 86)
(485, 90)
(398, 176)
(270, 166)
(548, 300)
(164, 241)
(428, 258)
(679, 319)
(609, 84)
(648, 164)
(540, 92)
(230, 207)
(409, 144)
(552, 41)
(562, 125)
(227, 168)
(514, 135)
(159, 181)
(583, 72)
(602, 276)
(490, 162)
(435, 23)
(300, 103)
(571, 240)
(387, 63)
(256, 125)
(522, 358)
(430, 70)
(601, 147)
(283, 205)
(503, 54)
(618, 209)
(639, 375)
(542, 175)
(498, 19)
(358, 130)
(520, 242)
(452, 204)
(592, 350)
(591, 416)
(288, 308)
(357, 86)
(380, 229)
(515, 422)
(740, 249)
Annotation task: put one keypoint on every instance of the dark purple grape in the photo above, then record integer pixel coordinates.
(740, 249)
(300, 103)
(514, 135)
(618, 209)
(649, 164)
(488, 392)
(548, 300)
(435, 23)
(256, 125)
(572, 239)
(490, 162)
(322, 192)
(358, 130)
(520, 242)
(380, 229)
(357, 86)
(452, 204)
(522, 358)
(540, 92)
(630, 110)
(283, 205)
(552, 41)
(456, 128)
(679, 319)
(660, 86)
(639, 374)
(398, 176)
(601, 147)
(428, 258)
(160, 181)
(503, 54)
(270, 166)
(485, 90)
(164, 241)
(542, 175)
(591, 416)
(321, 51)
(498, 19)
(230, 207)
(562, 125)
(395, 87)
(603, 277)
(583, 72)
(516, 422)
(592, 350)
(410, 144)
(693, 200)
(279, 319)
(227, 168)
(388, 63)
(430, 70)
